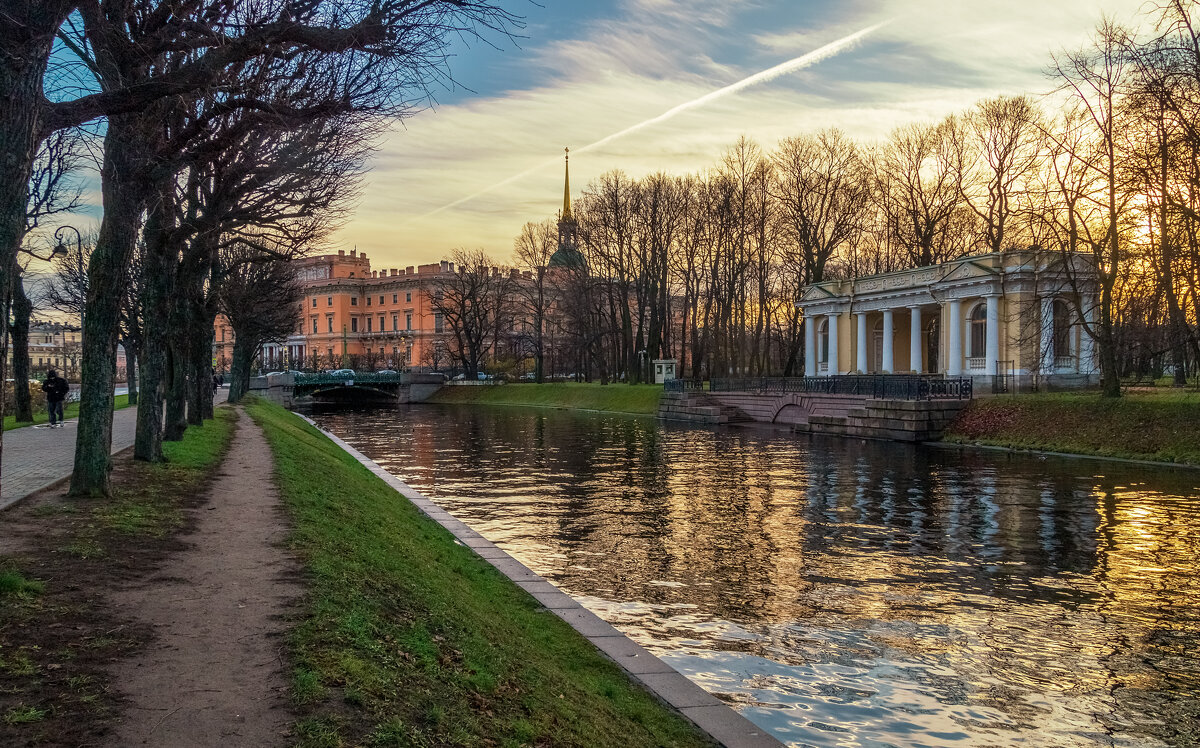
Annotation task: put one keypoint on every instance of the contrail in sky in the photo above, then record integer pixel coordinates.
(770, 74)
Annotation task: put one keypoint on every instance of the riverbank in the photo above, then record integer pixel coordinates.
(60, 561)
(1161, 426)
(638, 399)
(407, 637)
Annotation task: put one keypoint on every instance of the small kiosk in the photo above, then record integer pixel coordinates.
(664, 369)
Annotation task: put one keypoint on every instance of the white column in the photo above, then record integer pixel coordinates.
(916, 361)
(833, 343)
(1087, 344)
(862, 342)
(954, 360)
(993, 334)
(1047, 335)
(810, 346)
(889, 356)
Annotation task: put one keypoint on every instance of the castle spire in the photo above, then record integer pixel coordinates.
(566, 210)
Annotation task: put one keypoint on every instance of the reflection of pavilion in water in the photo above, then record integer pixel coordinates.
(1036, 576)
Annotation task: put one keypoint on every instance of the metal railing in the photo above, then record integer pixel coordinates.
(343, 379)
(880, 387)
(684, 385)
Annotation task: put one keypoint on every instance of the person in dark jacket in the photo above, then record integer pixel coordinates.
(56, 389)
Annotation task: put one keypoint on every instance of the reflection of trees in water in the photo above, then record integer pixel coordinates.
(1034, 576)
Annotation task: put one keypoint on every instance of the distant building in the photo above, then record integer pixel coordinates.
(1013, 314)
(53, 345)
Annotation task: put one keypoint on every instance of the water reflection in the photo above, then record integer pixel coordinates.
(845, 593)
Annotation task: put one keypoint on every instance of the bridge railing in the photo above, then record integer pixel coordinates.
(880, 386)
(331, 379)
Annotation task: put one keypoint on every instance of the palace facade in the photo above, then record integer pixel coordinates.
(1006, 317)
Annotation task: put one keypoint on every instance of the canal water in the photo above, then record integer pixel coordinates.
(844, 592)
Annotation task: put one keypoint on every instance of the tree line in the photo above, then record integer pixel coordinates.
(229, 136)
(707, 267)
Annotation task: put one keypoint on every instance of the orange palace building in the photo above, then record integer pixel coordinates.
(350, 310)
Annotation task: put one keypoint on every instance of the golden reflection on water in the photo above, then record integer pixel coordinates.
(841, 592)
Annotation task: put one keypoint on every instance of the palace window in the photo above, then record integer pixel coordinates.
(437, 323)
(381, 327)
(408, 297)
(330, 320)
(368, 301)
(408, 321)
(368, 324)
(354, 324)
(314, 321)
(978, 325)
(395, 322)
(353, 301)
(395, 296)
(329, 301)
(381, 299)
(314, 302)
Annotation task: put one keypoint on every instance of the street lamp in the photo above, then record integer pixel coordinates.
(60, 249)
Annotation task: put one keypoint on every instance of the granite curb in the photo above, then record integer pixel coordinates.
(718, 720)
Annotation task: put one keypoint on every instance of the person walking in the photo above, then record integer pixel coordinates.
(56, 389)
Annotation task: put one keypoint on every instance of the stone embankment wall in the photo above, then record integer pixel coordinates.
(840, 415)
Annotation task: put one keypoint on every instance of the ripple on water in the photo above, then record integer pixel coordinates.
(841, 593)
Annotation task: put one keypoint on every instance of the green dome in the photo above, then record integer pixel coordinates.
(568, 258)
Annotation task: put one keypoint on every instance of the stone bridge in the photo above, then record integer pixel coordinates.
(898, 407)
(386, 387)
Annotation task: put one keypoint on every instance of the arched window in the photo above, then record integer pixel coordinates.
(1062, 330)
(823, 341)
(978, 331)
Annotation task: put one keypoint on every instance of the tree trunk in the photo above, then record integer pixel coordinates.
(131, 374)
(239, 371)
(124, 195)
(202, 345)
(177, 373)
(22, 310)
(157, 273)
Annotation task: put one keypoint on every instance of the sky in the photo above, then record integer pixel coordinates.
(583, 70)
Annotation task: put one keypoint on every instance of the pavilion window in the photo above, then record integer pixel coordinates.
(1062, 329)
(823, 342)
(978, 323)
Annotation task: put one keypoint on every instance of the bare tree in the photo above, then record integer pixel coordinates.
(538, 296)
(472, 299)
(260, 297)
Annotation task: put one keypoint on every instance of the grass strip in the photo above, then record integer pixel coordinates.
(409, 638)
(58, 636)
(70, 410)
(1162, 426)
(640, 399)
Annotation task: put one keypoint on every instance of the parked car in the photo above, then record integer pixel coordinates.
(386, 371)
(342, 373)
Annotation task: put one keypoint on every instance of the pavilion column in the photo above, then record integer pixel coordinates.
(833, 343)
(889, 355)
(916, 360)
(954, 361)
(993, 335)
(810, 346)
(1047, 335)
(1087, 344)
(862, 342)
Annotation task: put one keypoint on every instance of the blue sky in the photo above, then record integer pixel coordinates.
(585, 69)
(588, 69)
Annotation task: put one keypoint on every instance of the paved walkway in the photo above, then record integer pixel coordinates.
(36, 456)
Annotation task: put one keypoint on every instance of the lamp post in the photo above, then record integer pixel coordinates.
(59, 249)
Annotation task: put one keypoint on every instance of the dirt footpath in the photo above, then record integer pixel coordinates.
(214, 672)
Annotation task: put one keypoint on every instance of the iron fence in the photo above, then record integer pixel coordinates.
(881, 386)
(684, 385)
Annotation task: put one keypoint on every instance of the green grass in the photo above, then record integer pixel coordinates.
(24, 715)
(12, 584)
(70, 410)
(616, 398)
(1159, 425)
(408, 638)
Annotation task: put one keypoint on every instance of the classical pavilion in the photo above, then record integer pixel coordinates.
(1012, 318)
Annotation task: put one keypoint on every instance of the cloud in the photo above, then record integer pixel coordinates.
(936, 58)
